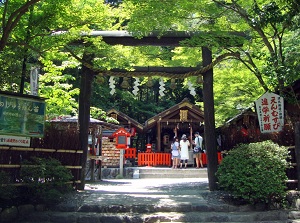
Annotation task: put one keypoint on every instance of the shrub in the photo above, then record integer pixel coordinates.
(7, 192)
(255, 172)
(46, 180)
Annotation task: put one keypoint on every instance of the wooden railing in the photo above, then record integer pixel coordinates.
(130, 153)
(154, 159)
(164, 159)
(204, 158)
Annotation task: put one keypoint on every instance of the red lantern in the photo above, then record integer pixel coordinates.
(122, 138)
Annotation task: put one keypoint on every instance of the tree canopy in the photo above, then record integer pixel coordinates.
(48, 34)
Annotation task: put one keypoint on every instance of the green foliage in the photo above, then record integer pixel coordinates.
(234, 91)
(255, 172)
(45, 35)
(7, 192)
(56, 86)
(119, 176)
(46, 180)
(98, 113)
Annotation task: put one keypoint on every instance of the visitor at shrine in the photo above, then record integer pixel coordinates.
(184, 145)
(198, 149)
(175, 152)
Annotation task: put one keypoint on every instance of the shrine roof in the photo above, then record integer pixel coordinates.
(126, 118)
(196, 114)
(74, 120)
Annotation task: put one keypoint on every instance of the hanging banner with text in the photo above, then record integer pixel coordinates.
(21, 116)
(34, 81)
(270, 112)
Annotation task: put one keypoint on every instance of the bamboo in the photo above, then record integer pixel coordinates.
(73, 167)
(19, 166)
(39, 149)
(23, 184)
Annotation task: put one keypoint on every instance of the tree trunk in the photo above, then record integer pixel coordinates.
(209, 120)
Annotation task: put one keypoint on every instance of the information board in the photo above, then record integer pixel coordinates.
(22, 116)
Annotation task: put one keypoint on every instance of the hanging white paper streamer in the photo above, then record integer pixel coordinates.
(112, 85)
(191, 88)
(136, 86)
(161, 87)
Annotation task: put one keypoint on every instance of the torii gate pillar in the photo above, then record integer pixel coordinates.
(209, 120)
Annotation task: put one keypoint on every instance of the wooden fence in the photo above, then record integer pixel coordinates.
(204, 158)
(11, 159)
(61, 145)
(154, 159)
(164, 159)
(130, 153)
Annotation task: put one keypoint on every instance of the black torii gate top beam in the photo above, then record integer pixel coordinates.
(170, 38)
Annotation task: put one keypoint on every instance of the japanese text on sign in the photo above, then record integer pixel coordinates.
(270, 112)
(14, 140)
(21, 116)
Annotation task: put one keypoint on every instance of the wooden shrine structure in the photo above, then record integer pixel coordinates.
(159, 130)
(182, 118)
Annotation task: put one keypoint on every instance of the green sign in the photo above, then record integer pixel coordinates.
(22, 116)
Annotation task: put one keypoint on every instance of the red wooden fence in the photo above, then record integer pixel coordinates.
(164, 159)
(154, 159)
(204, 158)
(130, 153)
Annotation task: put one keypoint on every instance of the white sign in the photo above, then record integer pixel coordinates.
(34, 81)
(270, 112)
(14, 141)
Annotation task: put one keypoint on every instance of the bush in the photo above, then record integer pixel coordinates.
(46, 180)
(255, 172)
(7, 192)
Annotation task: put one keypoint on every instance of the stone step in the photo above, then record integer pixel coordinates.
(172, 173)
(212, 217)
(152, 172)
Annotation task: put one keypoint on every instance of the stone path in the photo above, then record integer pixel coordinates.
(152, 200)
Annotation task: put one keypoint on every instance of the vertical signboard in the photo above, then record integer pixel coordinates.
(270, 112)
(21, 116)
(34, 81)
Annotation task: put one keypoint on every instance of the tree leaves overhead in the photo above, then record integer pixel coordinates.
(49, 34)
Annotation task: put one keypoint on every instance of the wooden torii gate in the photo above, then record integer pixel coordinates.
(169, 39)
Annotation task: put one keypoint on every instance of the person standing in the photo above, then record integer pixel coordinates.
(175, 152)
(198, 149)
(184, 150)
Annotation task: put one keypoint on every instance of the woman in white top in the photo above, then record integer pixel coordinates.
(184, 150)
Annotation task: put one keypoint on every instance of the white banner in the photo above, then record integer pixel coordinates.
(14, 141)
(270, 112)
(34, 80)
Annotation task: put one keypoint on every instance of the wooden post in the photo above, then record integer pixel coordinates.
(84, 114)
(158, 145)
(191, 137)
(93, 160)
(122, 151)
(209, 121)
(99, 144)
(297, 150)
